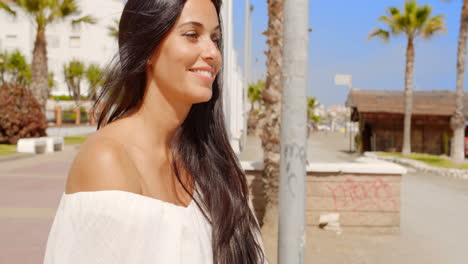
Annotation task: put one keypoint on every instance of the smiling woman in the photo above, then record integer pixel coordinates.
(159, 182)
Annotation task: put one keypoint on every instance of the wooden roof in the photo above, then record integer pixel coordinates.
(438, 103)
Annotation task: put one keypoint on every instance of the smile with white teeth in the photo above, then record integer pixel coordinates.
(204, 73)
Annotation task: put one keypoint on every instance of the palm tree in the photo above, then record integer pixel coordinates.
(270, 135)
(414, 21)
(457, 121)
(113, 30)
(73, 74)
(18, 69)
(254, 94)
(94, 77)
(43, 13)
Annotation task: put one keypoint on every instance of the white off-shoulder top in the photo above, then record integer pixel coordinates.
(117, 227)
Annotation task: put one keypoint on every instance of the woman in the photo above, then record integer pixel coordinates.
(159, 182)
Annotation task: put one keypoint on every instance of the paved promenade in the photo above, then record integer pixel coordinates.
(30, 189)
(434, 213)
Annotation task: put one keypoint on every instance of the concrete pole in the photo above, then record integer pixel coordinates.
(293, 134)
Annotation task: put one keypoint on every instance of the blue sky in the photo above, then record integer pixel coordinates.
(338, 44)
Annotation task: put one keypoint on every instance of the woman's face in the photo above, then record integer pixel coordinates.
(186, 63)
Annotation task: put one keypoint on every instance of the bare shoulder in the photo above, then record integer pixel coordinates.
(102, 164)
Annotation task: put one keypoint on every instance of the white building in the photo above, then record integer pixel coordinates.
(87, 43)
(92, 44)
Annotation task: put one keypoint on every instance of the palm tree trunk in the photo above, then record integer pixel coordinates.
(39, 78)
(271, 131)
(458, 119)
(409, 76)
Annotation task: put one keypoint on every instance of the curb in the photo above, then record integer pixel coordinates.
(19, 156)
(453, 173)
(15, 157)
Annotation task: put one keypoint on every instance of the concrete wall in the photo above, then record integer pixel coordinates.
(365, 193)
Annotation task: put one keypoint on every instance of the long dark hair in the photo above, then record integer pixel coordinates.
(200, 145)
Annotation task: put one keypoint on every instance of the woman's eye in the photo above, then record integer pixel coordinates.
(216, 40)
(191, 35)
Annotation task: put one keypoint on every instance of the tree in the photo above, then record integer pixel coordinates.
(255, 98)
(44, 13)
(312, 104)
(51, 82)
(270, 135)
(95, 80)
(3, 60)
(14, 69)
(113, 30)
(413, 22)
(73, 73)
(457, 121)
(18, 69)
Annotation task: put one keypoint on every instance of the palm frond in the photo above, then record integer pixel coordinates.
(113, 30)
(380, 34)
(394, 11)
(67, 8)
(434, 26)
(422, 15)
(388, 20)
(30, 6)
(410, 7)
(7, 8)
(396, 25)
(85, 20)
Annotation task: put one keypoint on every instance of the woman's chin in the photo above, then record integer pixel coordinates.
(202, 97)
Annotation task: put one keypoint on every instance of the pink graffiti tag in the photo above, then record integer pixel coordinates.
(355, 195)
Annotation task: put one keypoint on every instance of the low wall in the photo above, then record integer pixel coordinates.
(366, 193)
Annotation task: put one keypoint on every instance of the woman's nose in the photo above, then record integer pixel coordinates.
(211, 50)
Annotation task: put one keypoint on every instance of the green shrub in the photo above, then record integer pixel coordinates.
(65, 97)
(69, 117)
(357, 141)
(21, 115)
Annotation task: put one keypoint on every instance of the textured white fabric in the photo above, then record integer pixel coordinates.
(117, 227)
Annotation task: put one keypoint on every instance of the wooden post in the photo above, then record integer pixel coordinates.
(77, 115)
(58, 115)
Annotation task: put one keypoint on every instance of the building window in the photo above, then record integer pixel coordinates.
(75, 42)
(11, 37)
(10, 41)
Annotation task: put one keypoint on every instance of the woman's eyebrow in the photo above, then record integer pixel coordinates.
(197, 24)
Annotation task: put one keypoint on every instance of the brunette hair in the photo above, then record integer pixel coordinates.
(200, 145)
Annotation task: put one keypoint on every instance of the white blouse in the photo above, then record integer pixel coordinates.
(117, 227)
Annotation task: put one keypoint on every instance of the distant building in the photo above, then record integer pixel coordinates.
(381, 113)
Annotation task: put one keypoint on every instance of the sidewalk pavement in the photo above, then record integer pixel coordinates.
(433, 215)
(30, 189)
